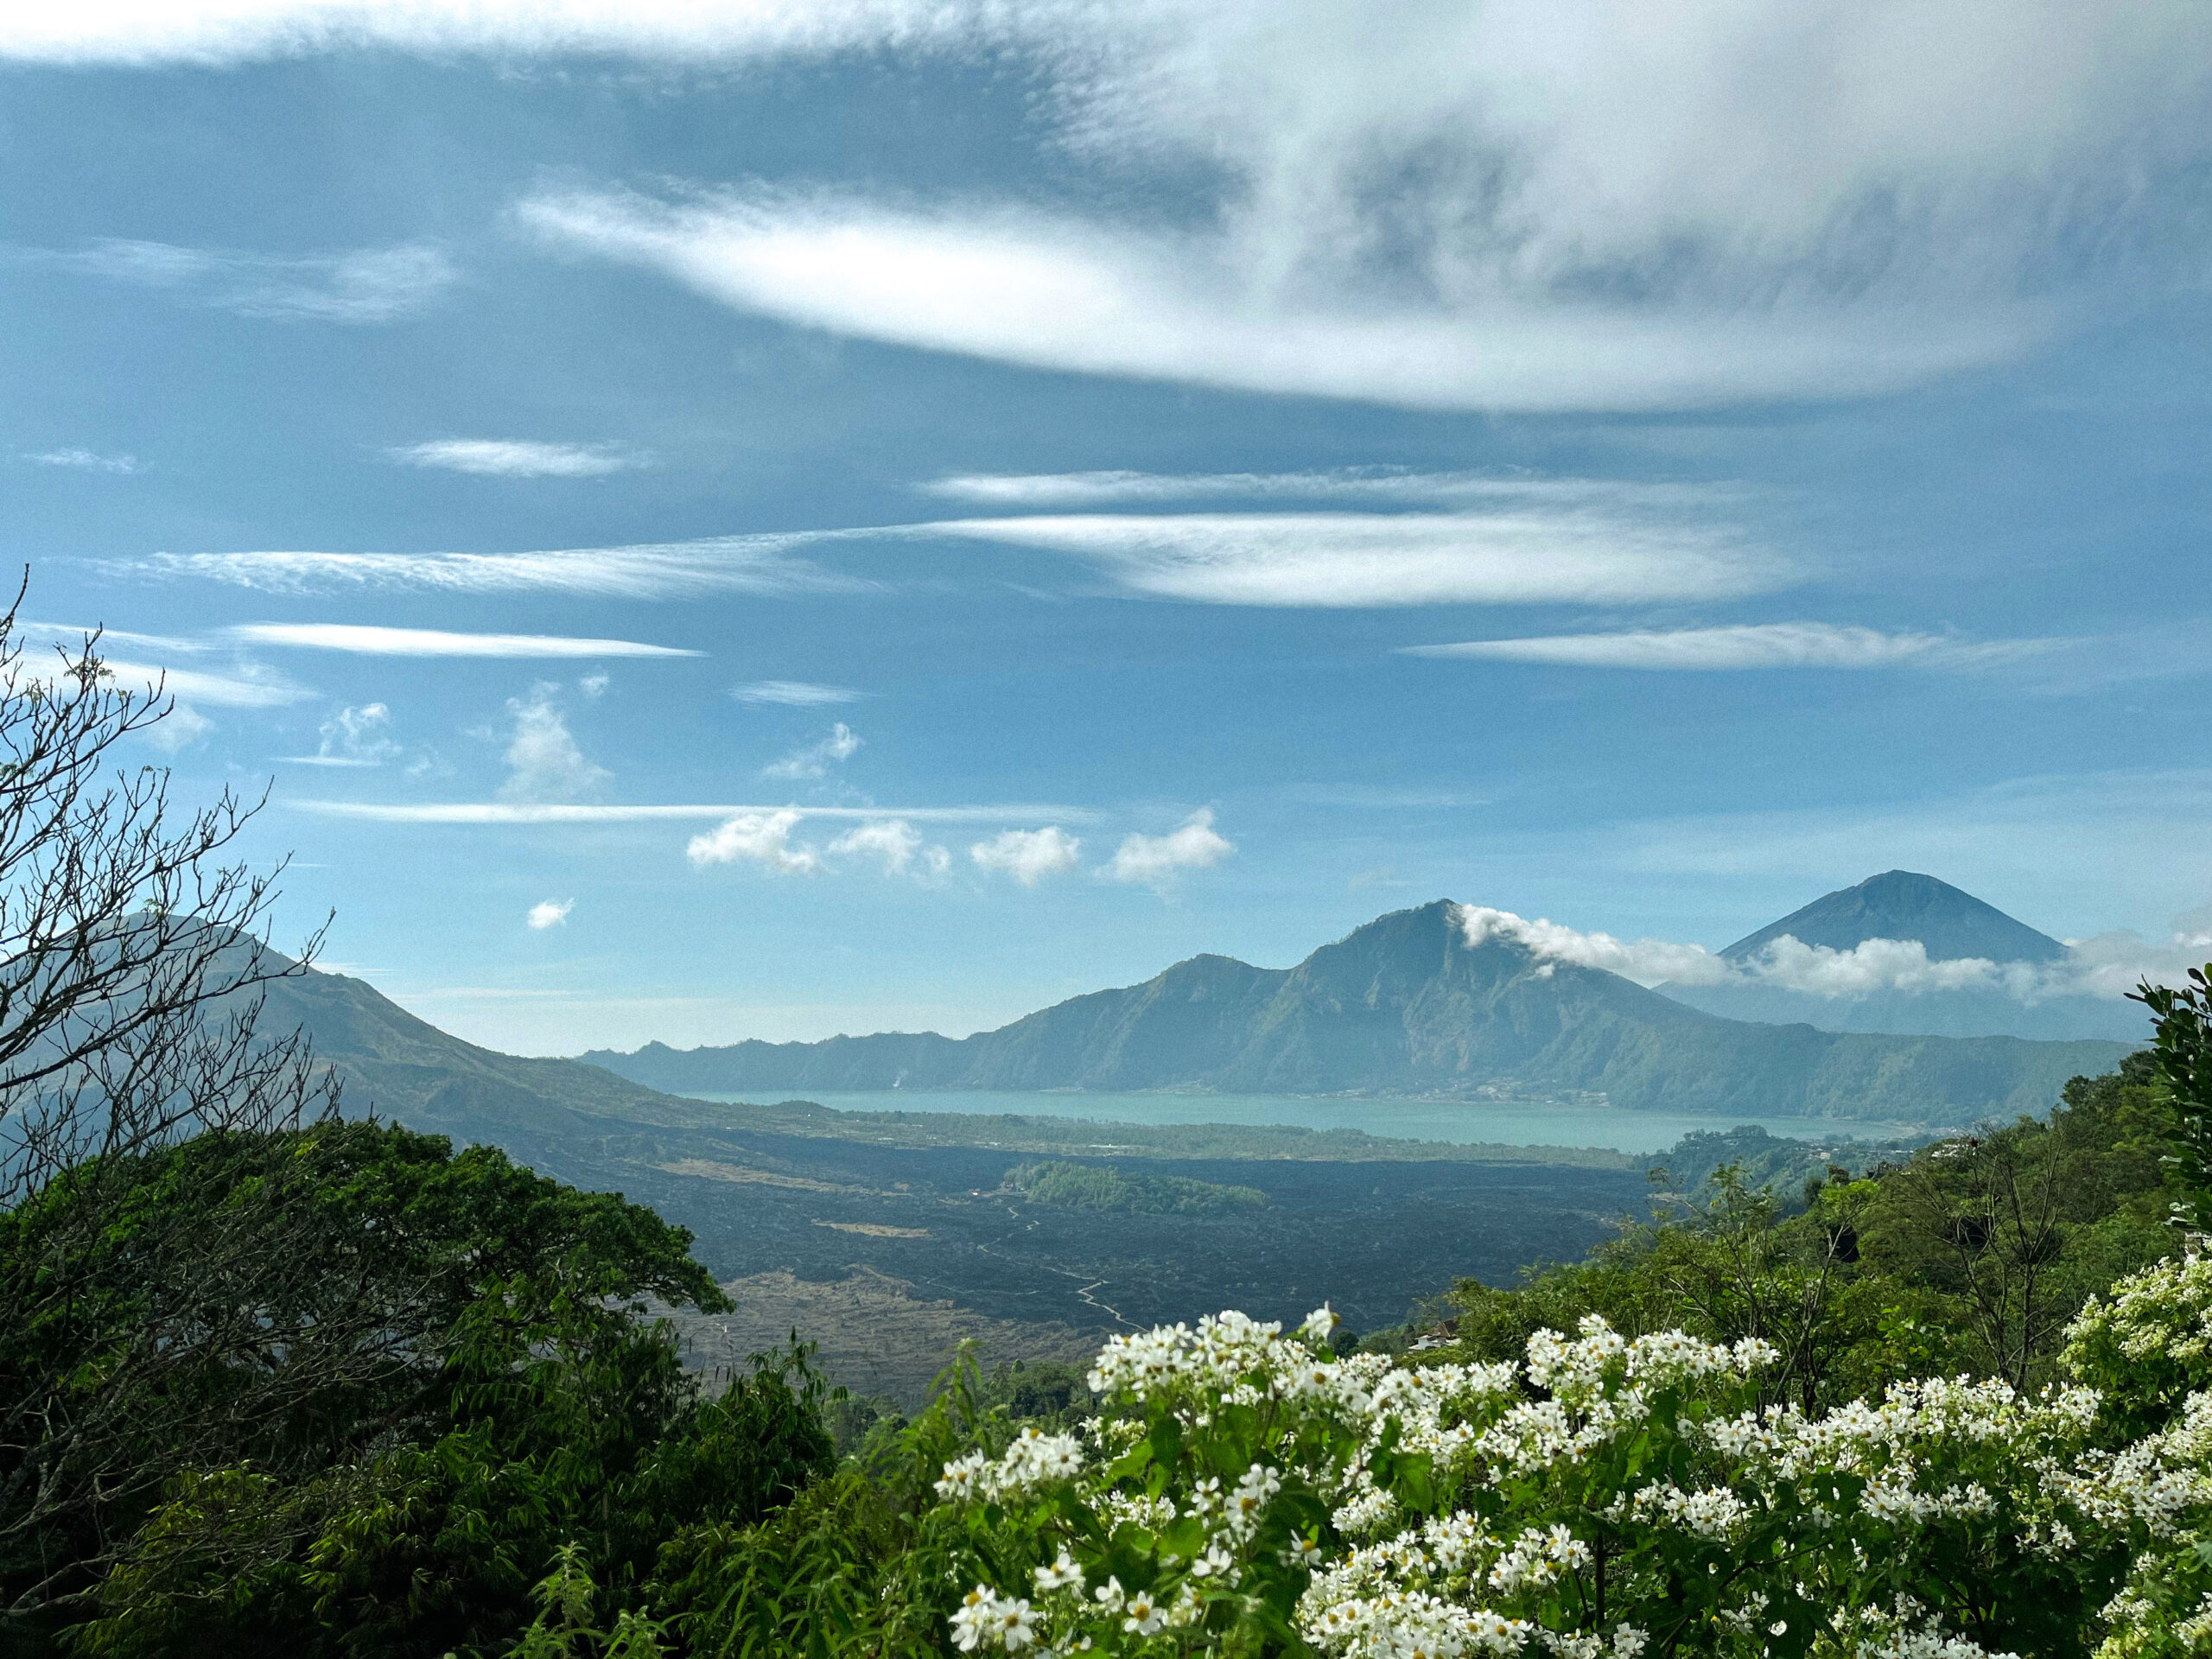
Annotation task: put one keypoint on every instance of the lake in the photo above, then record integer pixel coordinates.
(1497, 1122)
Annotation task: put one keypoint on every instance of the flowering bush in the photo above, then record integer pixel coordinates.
(1243, 1490)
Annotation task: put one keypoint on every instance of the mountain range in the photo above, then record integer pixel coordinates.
(1408, 1005)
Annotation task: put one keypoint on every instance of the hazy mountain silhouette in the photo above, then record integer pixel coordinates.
(1950, 924)
(1901, 905)
(1405, 1006)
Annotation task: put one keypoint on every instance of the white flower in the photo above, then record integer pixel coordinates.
(1062, 1575)
(1144, 1615)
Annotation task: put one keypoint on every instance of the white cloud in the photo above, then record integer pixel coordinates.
(520, 457)
(1065, 294)
(1648, 962)
(898, 847)
(1528, 203)
(146, 32)
(354, 737)
(83, 459)
(732, 564)
(367, 641)
(762, 838)
(549, 913)
(524, 812)
(2107, 966)
(794, 693)
(544, 763)
(178, 730)
(1157, 861)
(1771, 644)
(1538, 552)
(245, 687)
(816, 760)
(594, 685)
(1029, 855)
(1393, 486)
(361, 285)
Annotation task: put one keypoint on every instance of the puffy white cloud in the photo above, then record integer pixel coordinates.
(816, 759)
(361, 285)
(1157, 861)
(794, 693)
(549, 913)
(366, 641)
(897, 845)
(1029, 855)
(354, 737)
(520, 457)
(762, 838)
(544, 763)
(1760, 646)
(726, 564)
(1648, 962)
(1538, 550)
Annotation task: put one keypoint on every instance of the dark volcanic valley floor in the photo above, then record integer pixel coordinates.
(1370, 1237)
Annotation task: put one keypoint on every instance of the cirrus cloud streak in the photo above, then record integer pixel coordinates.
(1755, 645)
(361, 639)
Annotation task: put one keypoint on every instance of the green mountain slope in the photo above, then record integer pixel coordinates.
(1405, 1006)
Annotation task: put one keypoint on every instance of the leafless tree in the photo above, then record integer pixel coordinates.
(134, 960)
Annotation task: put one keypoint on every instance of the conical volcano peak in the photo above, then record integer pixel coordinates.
(1949, 923)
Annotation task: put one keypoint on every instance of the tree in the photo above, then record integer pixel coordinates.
(132, 963)
(2182, 1049)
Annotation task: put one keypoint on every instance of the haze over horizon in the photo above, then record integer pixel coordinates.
(855, 516)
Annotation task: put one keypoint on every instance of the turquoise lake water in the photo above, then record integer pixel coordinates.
(1512, 1124)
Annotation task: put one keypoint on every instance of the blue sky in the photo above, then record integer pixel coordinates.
(1097, 485)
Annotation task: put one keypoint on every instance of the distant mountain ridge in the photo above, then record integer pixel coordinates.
(1405, 1006)
(1950, 926)
(1904, 905)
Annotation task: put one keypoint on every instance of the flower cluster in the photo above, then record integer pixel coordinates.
(1033, 1460)
(1603, 1496)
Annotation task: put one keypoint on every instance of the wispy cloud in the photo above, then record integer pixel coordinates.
(520, 458)
(1520, 204)
(1065, 294)
(361, 285)
(548, 912)
(87, 461)
(544, 761)
(366, 641)
(145, 32)
(1761, 645)
(1157, 862)
(515, 812)
(739, 564)
(1372, 486)
(795, 694)
(816, 759)
(354, 737)
(246, 687)
(1530, 553)
(1029, 855)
